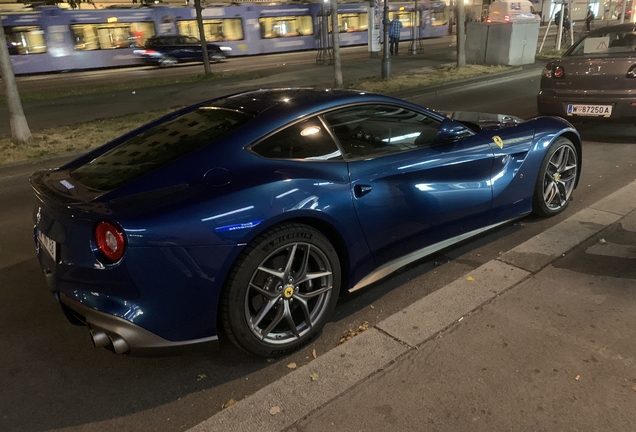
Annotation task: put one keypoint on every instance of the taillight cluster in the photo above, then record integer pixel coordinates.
(551, 71)
(110, 242)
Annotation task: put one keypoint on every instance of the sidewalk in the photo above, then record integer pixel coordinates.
(539, 339)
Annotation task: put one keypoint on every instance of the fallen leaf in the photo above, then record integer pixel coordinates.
(274, 410)
(578, 377)
(314, 377)
(602, 241)
(292, 365)
(352, 333)
(313, 353)
(201, 376)
(229, 403)
(470, 278)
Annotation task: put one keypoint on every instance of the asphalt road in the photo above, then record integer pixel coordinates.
(54, 379)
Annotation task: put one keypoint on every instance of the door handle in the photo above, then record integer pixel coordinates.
(361, 190)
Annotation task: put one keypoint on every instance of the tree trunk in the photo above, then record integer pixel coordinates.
(461, 35)
(20, 132)
(204, 43)
(386, 59)
(335, 34)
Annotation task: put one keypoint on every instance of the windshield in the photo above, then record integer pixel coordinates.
(606, 43)
(158, 146)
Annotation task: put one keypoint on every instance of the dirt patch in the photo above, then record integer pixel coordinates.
(81, 136)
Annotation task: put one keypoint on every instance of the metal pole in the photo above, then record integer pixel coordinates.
(560, 29)
(623, 11)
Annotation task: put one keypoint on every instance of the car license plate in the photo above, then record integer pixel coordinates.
(47, 244)
(590, 110)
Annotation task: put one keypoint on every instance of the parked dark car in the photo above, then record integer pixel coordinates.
(595, 79)
(252, 212)
(168, 50)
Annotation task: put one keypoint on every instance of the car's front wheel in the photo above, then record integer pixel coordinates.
(557, 178)
(281, 290)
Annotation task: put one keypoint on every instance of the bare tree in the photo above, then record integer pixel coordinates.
(335, 34)
(20, 132)
(461, 35)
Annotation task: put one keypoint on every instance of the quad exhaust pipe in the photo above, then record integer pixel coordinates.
(114, 343)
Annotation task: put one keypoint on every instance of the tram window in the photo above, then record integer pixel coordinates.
(88, 37)
(287, 26)
(25, 40)
(406, 17)
(439, 17)
(351, 22)
(218, 30)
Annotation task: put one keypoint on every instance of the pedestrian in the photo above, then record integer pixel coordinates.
(394, 35)
(566, 18)
(589, 17)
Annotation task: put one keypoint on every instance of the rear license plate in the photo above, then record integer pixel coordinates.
(48, 245)
(590, 110)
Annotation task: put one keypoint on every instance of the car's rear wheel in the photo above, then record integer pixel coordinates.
(556, 179)
(167, 62)
(281, 290)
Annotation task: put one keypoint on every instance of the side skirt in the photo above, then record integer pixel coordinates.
(392, 266)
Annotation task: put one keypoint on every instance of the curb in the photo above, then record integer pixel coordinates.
(296, 395)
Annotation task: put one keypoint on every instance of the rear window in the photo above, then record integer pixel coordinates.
(158, 146)
(606, 43)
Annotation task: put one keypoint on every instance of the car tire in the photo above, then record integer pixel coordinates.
(167, 62)
(556, 179)
(281, 290)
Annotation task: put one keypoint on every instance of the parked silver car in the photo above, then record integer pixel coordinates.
(595, 79)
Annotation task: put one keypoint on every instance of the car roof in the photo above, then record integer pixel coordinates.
(298, 100)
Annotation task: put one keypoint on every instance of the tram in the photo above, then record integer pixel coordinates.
(51, 39)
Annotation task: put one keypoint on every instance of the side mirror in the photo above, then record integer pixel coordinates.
(451, 130)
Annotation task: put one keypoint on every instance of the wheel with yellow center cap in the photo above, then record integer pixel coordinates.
(281, 291)
(557, 178)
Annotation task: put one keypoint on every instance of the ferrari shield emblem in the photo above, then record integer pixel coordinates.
(497, 139)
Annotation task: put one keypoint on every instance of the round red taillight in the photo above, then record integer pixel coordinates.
(110, 241)
(559, 73)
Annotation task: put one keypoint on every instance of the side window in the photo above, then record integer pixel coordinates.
(308, 140)
(375, 130)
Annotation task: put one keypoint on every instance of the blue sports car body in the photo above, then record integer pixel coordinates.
(252, 212)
